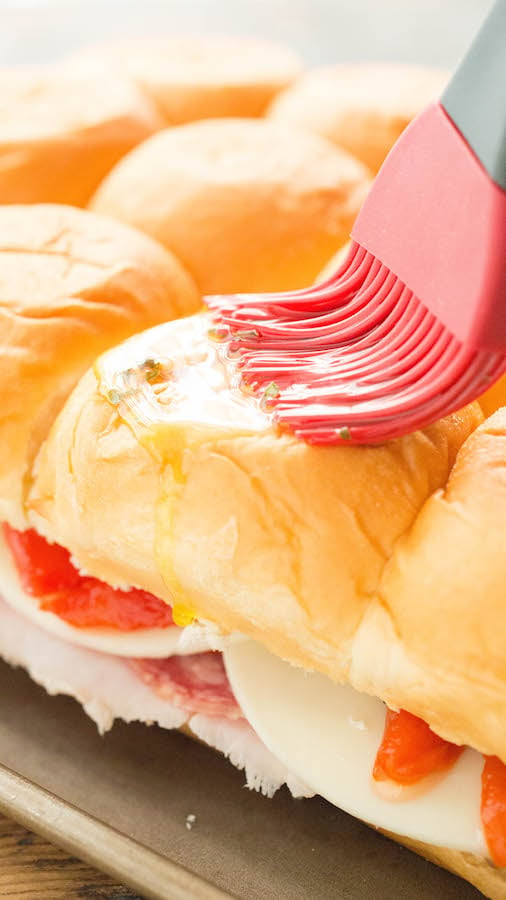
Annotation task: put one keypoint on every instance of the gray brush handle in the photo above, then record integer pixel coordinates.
(475, 98)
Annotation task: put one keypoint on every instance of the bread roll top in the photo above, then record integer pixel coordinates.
(247, 205)
(72, 284)
(297, 546)
(440, 622)
(362, 107)
(202, 76)
(63, 127)
(494, 398)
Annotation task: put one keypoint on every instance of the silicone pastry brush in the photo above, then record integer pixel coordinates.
(413, 325)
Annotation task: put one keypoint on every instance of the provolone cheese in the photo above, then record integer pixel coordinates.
(328, 736)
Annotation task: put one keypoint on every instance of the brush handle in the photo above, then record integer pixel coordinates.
(475, 98)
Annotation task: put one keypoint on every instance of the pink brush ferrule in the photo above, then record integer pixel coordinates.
(437, 220)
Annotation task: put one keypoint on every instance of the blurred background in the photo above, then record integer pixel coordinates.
(426, 31)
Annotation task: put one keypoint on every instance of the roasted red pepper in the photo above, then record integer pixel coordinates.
(46, 572)
(493, 808)
(410, 750)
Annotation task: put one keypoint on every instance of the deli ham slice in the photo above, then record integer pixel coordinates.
(108, 689)
(197, 683)
(102, 683)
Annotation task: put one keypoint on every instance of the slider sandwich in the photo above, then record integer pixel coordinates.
(200, 76)
(246, 204)
(362, 107)
(72, 284)
(325, 616)
(63, 127)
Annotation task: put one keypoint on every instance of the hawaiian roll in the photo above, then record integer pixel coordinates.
(494, 398)
(363, 107)
(72, 284)
(62, 128)
(63, 503)
(248, 205)
(438, 631)
(248, 527)
(334, 264)
(202, 76)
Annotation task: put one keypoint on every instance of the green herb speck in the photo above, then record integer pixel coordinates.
(114, 397)
(271, 391)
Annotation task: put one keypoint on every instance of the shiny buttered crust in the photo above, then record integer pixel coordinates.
(299, 547)
(62, 128)
(248, 205)
(118, 545)
(193, 77)
(362, 107)
(72, 284)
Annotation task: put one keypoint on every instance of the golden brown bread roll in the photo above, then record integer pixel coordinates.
(363, 107)
(311, 550)
(254, 530)
(297, 546)
(71, 284)
(439, 629)
(62, 128)
(246, 205)
(494, 398)
(114, 441)
(202, 76)
(334, 264)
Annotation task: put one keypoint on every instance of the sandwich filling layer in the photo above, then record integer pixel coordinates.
(40, 582)
(385, 767)
(47, 573)
(415, 783)
(108, 689)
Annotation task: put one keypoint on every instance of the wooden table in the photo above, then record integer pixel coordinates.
(32, 869)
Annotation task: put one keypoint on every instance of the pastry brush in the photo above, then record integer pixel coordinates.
(413, 325)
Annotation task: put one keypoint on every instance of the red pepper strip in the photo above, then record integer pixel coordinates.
(46, 572)
(43, 568)
(410, 750)
(493, 808)
(94, 604)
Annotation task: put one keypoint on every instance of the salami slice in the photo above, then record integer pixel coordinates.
(197, 683)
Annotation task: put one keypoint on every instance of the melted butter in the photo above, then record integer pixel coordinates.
(182, 615)
(170, 386)
(171, 380)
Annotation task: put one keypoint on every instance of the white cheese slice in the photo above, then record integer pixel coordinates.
(328, 736)
(154, 643)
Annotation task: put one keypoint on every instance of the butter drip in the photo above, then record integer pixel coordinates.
(170, 386)
(172, 377)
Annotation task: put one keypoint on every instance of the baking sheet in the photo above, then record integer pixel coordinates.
(143, 783)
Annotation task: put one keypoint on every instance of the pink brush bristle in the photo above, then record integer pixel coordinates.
(413, 325)
(357, 357)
